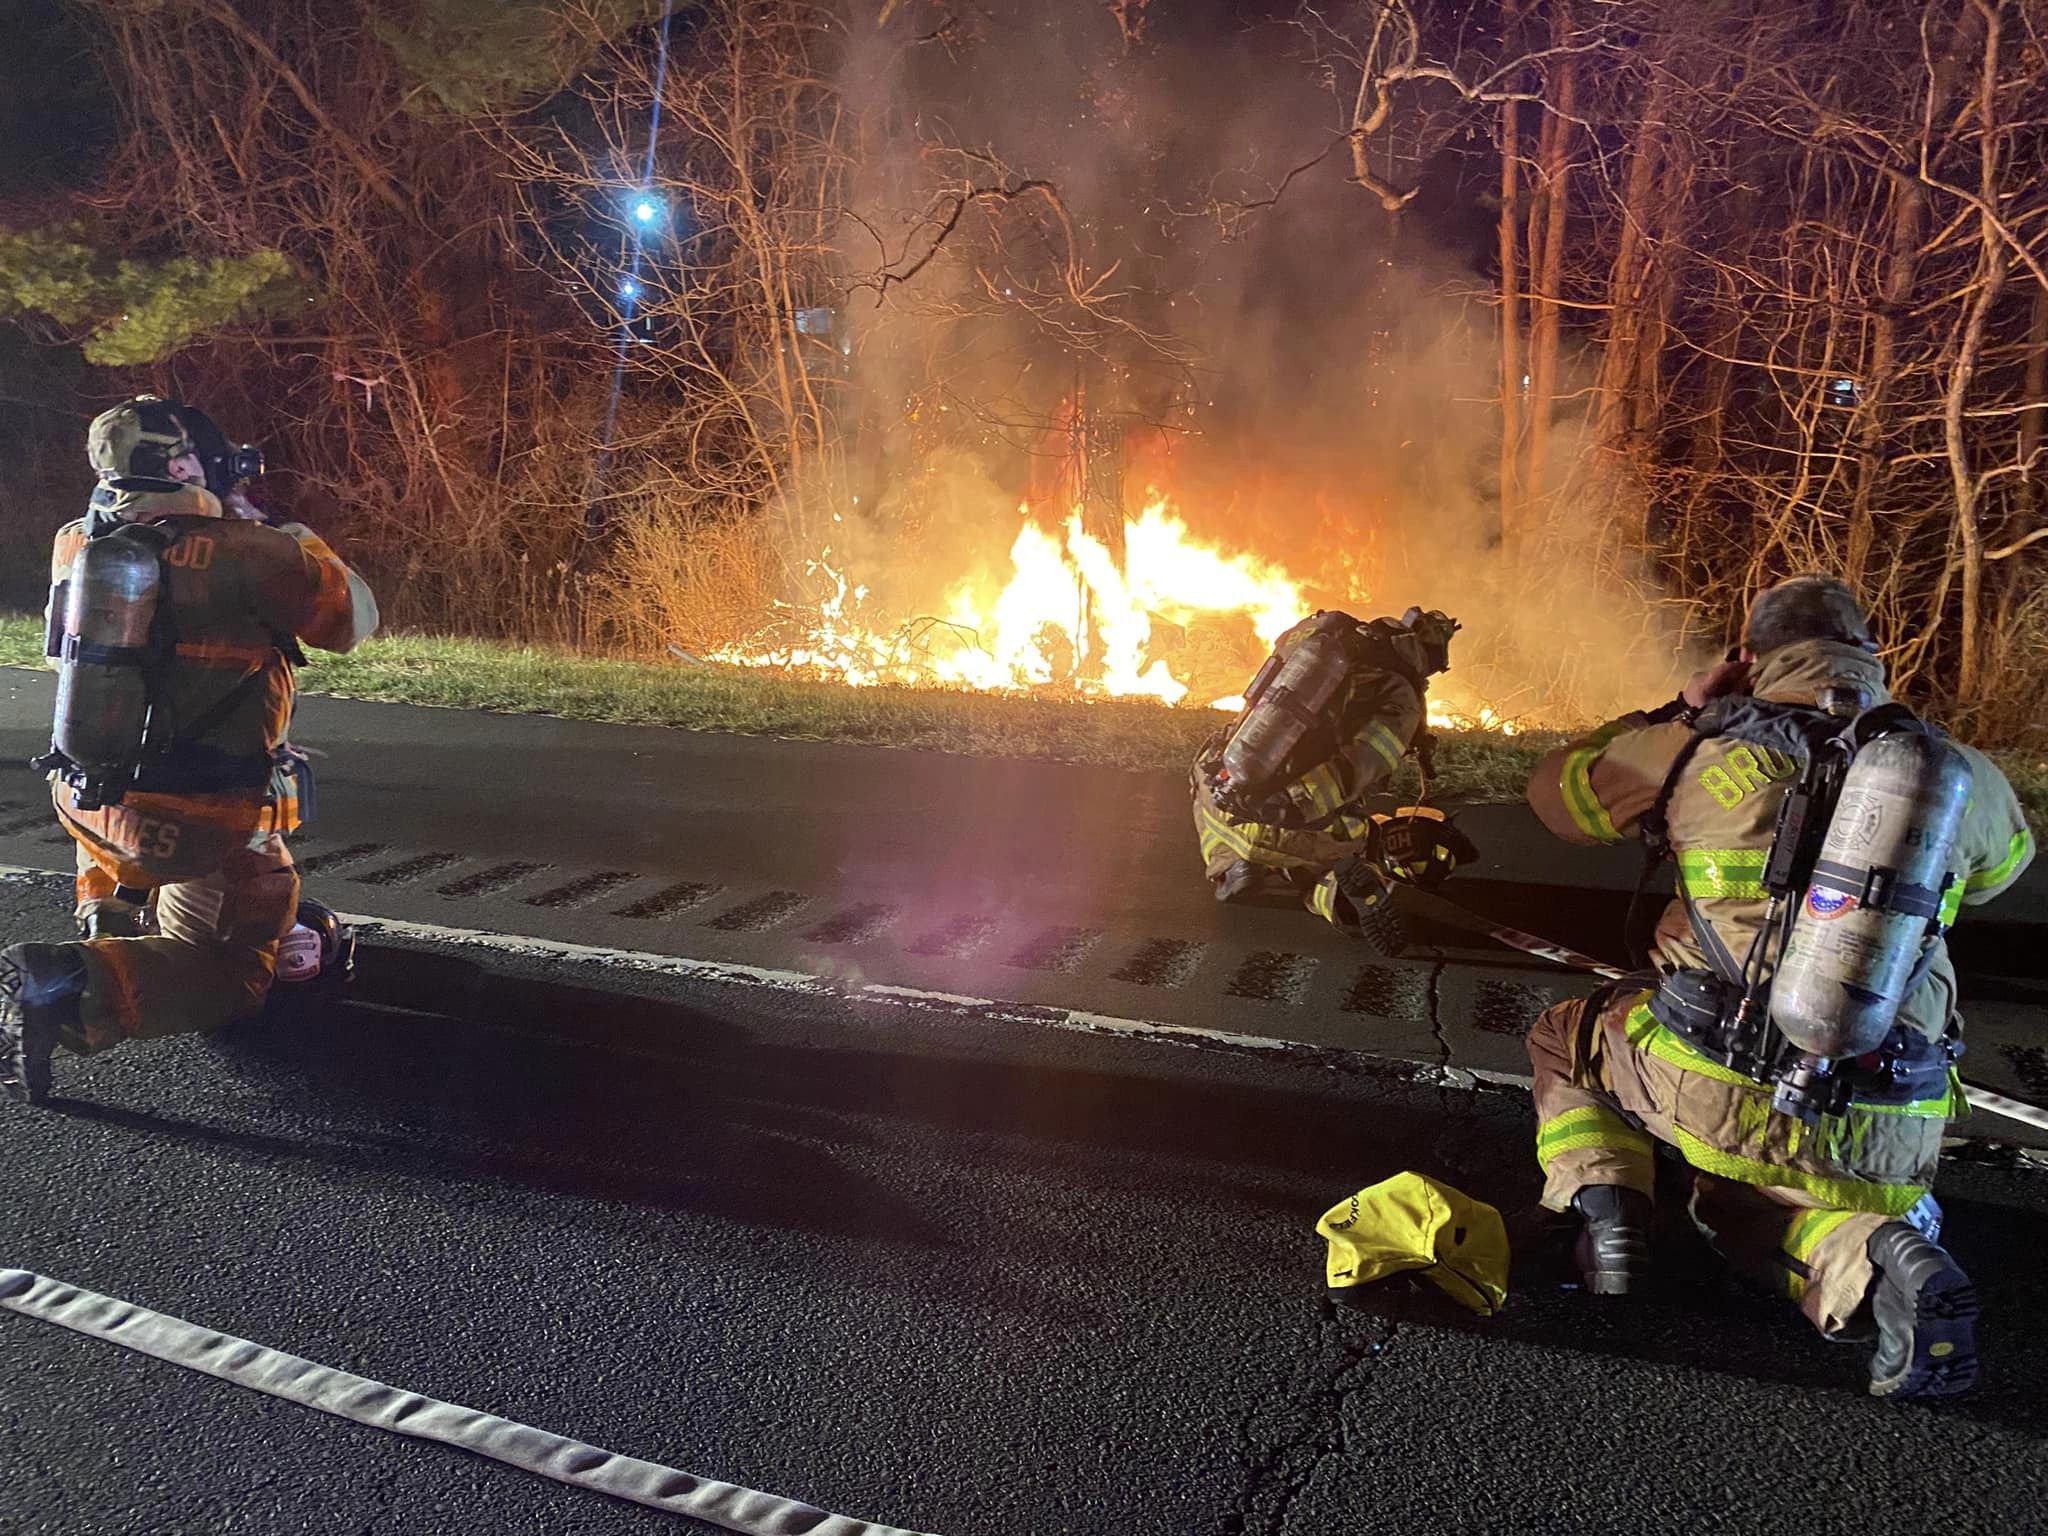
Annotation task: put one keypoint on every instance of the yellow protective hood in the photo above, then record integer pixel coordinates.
(1411, 1222)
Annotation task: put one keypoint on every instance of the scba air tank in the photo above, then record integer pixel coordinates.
(1291, 705)
(102, 690)
(1875, 893)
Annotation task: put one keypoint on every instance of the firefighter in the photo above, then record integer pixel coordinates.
(1832, 1210)
(1279, 797)
(196, 831)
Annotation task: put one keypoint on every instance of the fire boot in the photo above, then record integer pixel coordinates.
(1614, 1250)
(109, 922)
(40, 985)
(124, 915)
(1244, 878)
(1925, 1309)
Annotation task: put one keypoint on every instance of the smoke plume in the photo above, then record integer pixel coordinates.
(1312, 380)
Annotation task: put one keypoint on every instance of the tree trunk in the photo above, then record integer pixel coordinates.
(1510, 316)
(1902, 270)
(1902, 266)
(1634, 254)
(1671, 208)
(2034, 419)
(1545, 326)
(1991, 270)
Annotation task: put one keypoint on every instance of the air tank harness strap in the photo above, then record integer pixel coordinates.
(78, 651)
(186, 766)
(195, 770)
(1880, 893)
(1698, 1007)
(53, 620)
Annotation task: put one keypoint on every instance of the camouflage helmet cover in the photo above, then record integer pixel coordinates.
(138, 439)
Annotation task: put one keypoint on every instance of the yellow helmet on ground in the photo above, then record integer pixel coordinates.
(1412, 1222)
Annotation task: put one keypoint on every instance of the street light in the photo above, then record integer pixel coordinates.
(646, 210)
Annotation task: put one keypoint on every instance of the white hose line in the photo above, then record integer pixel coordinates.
(1558, 954)
(2011, 1109)
(726, 1505)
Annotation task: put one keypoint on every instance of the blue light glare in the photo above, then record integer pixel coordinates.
(647, 210)
(628, 289)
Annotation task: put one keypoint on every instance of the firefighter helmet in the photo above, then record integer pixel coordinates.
(320, 947)
(1434, 629)
(137, 441)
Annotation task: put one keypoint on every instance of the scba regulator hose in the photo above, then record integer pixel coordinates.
(347, 1396)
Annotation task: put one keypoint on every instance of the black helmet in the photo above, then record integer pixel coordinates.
(1434, 630)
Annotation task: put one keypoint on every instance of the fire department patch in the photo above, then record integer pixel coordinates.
(1828, 905)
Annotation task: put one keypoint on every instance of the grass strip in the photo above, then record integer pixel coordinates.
(1121, 733)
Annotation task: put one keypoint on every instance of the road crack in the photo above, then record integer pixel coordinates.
(1286, 1441)
(1434, 1003)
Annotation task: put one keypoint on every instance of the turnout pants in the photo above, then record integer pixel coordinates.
(1225, 839)
(1603, 1102)
(210, 960)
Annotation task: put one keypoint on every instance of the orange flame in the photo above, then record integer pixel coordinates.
(1069, 615)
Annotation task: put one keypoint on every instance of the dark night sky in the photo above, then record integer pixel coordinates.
(55, 113)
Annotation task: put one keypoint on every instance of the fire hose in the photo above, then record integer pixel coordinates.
(1432, 905)
(728, 1506)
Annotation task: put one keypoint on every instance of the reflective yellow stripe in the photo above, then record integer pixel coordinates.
(1590, 1125)
(1217, 832)
(1707, 874)
(1952, 903)
(1843, 1194)
(1323, 899)
(1382, 740)
(1585, 807)
(1806, 1233)
(1646, 1034)
(1942, 1108)
(2015, 854)
(1808, 1230)
(1324, 790)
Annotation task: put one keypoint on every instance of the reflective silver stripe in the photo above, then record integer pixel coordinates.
(424, 1418)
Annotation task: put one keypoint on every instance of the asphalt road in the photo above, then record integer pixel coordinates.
(898, 825)
(975, 1281)
(1042, 884)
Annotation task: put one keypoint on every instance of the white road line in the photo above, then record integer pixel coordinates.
(1044, 1016)
(960, 1005)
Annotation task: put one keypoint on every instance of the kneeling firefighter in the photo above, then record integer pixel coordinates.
(175, 628)
(1796, 1039)
(1279, 796)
